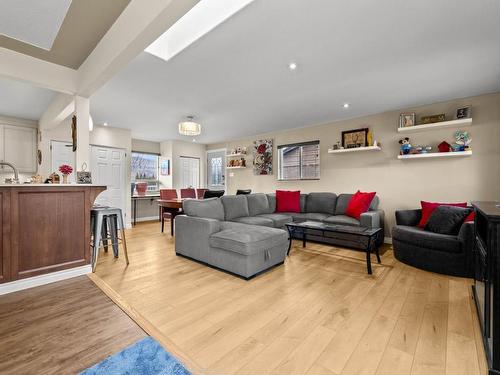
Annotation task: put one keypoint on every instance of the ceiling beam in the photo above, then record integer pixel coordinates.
(137, 27)
(58, 110)
(37, 72)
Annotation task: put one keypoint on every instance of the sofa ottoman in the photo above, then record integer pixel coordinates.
(247, 250)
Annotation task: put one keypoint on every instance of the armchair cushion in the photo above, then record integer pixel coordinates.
(429, 207)
(447, 219)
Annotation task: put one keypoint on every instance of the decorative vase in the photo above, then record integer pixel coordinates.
(65, 178)
(141, 188)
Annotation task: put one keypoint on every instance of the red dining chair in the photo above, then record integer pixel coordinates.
(188, 193)
(200, 193)
(166, 194)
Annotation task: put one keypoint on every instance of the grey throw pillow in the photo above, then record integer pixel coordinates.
(447, 219)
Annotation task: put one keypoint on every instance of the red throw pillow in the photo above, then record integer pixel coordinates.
(429, 207)
(470, 217)
(359, 204)
(287, 201)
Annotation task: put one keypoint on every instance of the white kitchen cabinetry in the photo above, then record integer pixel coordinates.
(18, 146)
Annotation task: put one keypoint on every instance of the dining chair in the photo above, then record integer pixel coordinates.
(188, 193)
(213, 194)
(200, 193)
(243, 191)
(166, 194)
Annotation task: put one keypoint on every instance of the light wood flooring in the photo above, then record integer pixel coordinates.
(318, 314)
(61, 328)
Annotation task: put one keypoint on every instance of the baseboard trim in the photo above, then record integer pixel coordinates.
(147, 218)
(388, 240)
(31, 282)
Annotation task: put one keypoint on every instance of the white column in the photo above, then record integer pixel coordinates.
(82, 112)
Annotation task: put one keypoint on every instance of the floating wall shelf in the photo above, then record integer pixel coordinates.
(238, 167)
(435, 155)
(235, 155)
(354, 149)
(437, 125)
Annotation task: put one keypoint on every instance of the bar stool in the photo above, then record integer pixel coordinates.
(105, 224)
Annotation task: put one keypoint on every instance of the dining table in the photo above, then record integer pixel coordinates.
(173, 207)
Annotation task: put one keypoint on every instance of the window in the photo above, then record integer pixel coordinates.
(145, 167)
(299, 161)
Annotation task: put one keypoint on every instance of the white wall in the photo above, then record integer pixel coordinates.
(400, 184)
(14, 121)
(101, 136)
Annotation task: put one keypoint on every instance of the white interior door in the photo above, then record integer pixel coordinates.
(216, 170)
(190, 171)
(108, 168)
(62, 153)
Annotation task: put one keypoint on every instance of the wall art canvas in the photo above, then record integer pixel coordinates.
(263, 157)
(165, 167)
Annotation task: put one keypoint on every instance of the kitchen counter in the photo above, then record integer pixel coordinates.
(48, 185)
(45, 228)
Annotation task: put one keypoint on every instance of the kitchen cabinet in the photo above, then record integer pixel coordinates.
(18, 145)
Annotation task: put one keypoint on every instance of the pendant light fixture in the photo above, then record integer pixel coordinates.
(189, 127)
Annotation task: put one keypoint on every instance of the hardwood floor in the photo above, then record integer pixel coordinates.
(320, 313)
(61, 328)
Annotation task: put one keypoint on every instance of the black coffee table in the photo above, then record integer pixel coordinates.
(365, 237)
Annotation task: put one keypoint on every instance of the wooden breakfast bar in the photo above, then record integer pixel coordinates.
(45, 228)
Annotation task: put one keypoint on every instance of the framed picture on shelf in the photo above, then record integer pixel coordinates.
(433, 118)
(464, 112)
(355, 138)
(406, 120)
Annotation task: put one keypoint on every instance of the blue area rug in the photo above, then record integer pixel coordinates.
(145, 357)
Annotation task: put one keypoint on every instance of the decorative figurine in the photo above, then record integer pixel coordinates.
(405, 146)
(462, 141)
(444, 147)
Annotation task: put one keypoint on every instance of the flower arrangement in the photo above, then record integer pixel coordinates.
(66, 169)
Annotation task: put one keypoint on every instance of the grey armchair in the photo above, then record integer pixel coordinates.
(441, 253)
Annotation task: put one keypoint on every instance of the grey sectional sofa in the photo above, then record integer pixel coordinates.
(242, 234)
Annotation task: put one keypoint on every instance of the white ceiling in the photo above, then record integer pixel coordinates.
(22, 100)
(33, 21)
(377, 55)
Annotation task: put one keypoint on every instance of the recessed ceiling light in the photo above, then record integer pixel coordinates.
(104, 124)
(346, 105)
(292, 66)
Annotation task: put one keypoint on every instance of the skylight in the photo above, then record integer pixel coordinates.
(201, 19)
(33, 22)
